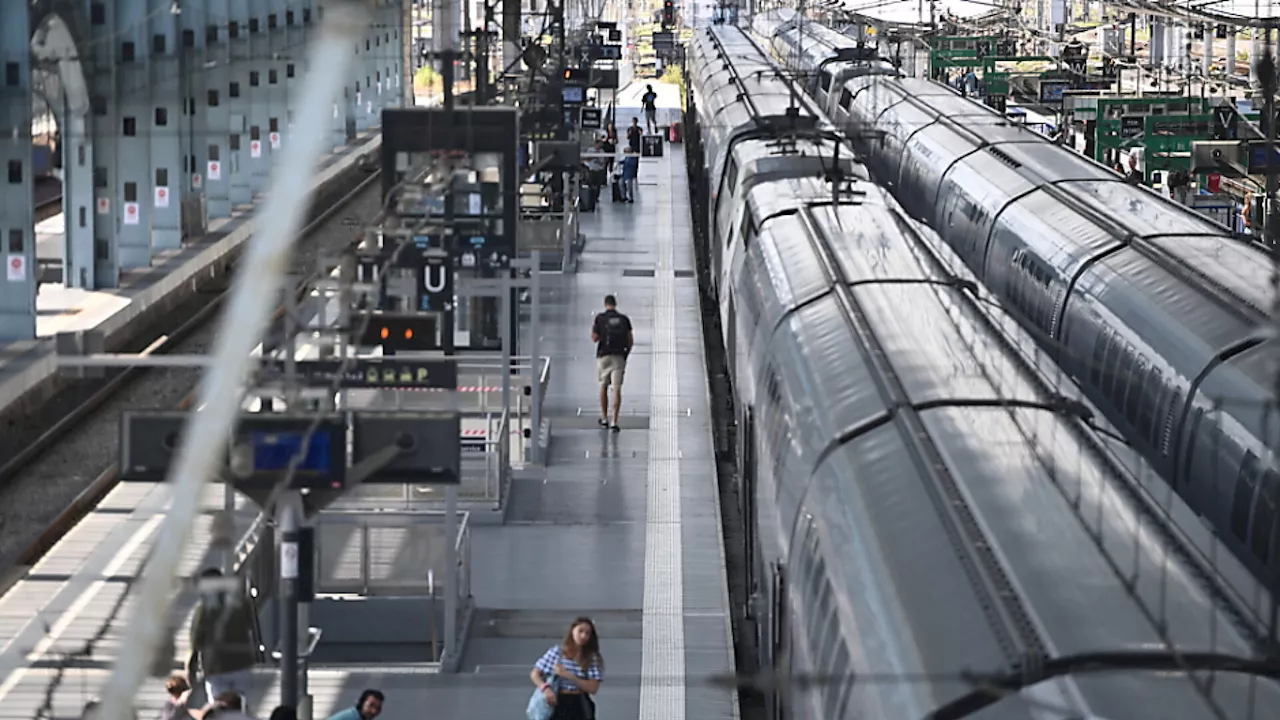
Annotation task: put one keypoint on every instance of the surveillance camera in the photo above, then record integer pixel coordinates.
(1217, 154)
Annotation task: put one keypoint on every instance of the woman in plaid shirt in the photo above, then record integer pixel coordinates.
(568, 674)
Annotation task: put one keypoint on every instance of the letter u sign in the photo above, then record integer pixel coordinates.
(434, 278)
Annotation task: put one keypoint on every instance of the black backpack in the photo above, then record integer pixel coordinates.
(613, 335)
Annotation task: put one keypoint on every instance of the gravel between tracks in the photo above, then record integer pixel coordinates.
(45, 488)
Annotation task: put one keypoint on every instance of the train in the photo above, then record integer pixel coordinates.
(918, 498)
(1157, 312)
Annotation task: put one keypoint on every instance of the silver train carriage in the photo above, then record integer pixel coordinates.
(823, 59)
(1153, 309)
(750, 117)
(907, 524)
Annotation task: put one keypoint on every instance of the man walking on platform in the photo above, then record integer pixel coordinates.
(612, 334)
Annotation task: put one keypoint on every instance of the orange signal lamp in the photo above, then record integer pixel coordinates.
(385, 333)
(408, 334)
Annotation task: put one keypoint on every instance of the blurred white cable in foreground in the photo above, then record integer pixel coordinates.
(244, 321)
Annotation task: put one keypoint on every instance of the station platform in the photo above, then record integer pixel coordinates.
(28, 365)
(623, 528)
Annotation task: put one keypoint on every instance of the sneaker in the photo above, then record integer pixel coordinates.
(603, 423)
(617, 428)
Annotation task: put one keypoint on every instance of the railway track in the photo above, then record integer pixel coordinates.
(52, 482)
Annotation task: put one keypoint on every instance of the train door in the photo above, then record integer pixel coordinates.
(779, 641)
(747, 471)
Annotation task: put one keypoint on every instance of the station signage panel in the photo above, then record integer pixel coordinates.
(374, 373)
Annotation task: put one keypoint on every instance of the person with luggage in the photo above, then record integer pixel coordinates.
(614, 338)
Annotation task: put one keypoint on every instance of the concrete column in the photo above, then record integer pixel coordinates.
(257, 93)
(277, 84)
(510, 34)
(17, 226)
(163, 203)
(195, 85)
(364, 69)
(130, 175)
(78, 200)
(1209, 46)
(1156, 45)
(1231, 52)
(216, 107)
(239, 61)
(106, 100)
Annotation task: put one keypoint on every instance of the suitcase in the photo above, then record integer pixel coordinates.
(587, 199)
(617, 190)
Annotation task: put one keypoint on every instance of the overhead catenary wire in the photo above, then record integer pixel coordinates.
(244, 321)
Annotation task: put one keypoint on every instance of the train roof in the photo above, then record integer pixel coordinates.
(986, 532)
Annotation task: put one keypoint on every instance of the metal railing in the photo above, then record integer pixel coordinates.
(373, 575)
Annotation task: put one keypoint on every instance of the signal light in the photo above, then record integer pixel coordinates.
(408, 333)
(386, 333)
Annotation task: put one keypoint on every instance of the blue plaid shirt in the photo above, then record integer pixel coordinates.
(547, 666)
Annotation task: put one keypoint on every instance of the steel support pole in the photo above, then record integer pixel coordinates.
(451, 579)
(535, 350)
(289, 561)
(229, 508)
(245, 319)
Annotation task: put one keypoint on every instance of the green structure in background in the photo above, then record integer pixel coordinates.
(1166, 139)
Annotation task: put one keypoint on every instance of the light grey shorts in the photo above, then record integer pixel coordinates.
(611, 369)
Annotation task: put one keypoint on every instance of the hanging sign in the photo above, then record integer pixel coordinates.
(16, 268)
(215, 170)
(162, 196)
(255, 148)
(104, 206)
(275, 140)
(131, 213)
(197, 181)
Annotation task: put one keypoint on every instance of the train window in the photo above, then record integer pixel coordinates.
(234, 90)
(1095, 363)
(213, 98)
(838, 696)
(162, 117)
(1154, 391)
(162, 177)
(1171, 417)
(131, 192)
(1264, 516)
(1242, 503)
(846, 99)
(254, 25)
(15, 172)
(1133, 391)
(15, 240)
(255, 78)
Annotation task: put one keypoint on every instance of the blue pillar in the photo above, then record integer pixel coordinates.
(240, 61)
(130, 176)
(17, 229)
(282, 96)
(164, 199)
(216, 107)
(105, 101)
(257, 48)
(78, 264)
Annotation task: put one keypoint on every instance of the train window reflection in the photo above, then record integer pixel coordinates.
(1264, 515)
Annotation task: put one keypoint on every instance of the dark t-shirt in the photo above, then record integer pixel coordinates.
(648, 101)
(634, 133)
(614, 330)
